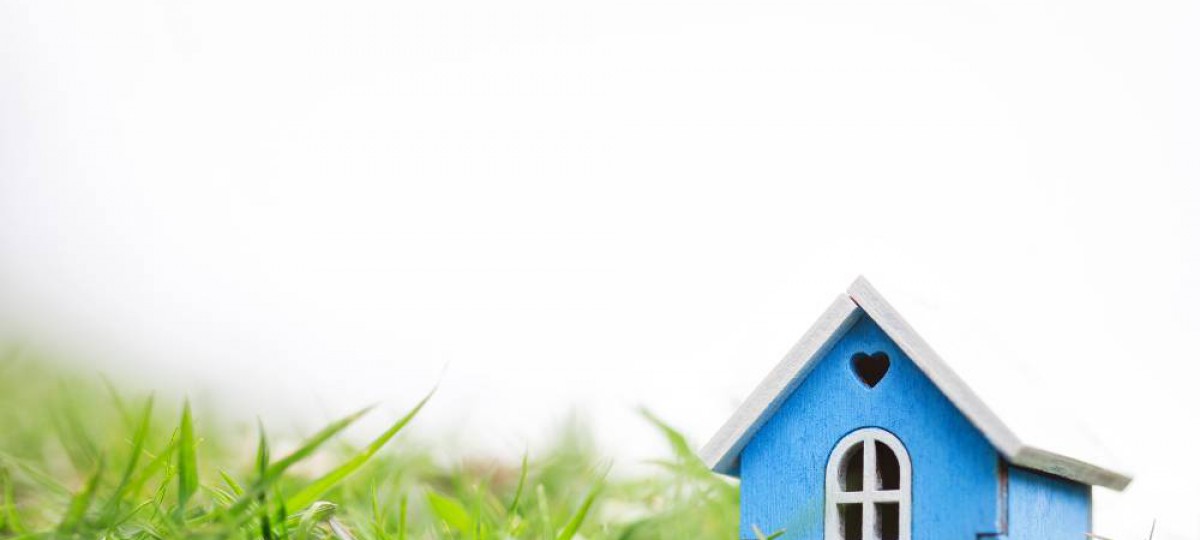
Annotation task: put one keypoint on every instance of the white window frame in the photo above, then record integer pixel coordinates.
(870, 494)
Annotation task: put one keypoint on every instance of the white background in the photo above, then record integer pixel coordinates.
(298, 208)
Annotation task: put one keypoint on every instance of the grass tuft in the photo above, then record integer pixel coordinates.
(187, 479)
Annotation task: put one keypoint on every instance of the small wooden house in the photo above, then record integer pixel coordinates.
(863, 433)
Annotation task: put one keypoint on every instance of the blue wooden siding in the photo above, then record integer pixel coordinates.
(955, 470)
(1044, 507)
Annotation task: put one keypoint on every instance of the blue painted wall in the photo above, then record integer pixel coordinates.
(955, 470)
(1044, 507)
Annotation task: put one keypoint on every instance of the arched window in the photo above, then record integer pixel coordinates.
(868, 488)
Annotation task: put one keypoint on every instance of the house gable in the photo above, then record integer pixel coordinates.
(956, 485)
(724, 450)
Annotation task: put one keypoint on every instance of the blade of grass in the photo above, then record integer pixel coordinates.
(760, 536)
(262, 458)
(403, 517)
(135, 454)
(478, 514)
(318, 513)
(218, 494)
(339, 531)
(80, 503)
(35, 474)
(129, 515)
(314, 442)
(276, 470)
(281, 515)
(163, 518)
(544, 511)
(679, 445)
(75, 439)
(450, 511)
(576, 520)
(516, 500)
(157, 463)
(378, 527)
(188, 477)
(234, 486)
(265, 525)
(318, 487)
(9, 519)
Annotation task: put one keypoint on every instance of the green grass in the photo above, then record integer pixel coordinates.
(81, 459)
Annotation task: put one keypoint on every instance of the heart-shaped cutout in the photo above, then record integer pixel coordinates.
(870, 368)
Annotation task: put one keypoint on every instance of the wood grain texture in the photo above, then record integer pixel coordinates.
(955, 472)
(1045, 507)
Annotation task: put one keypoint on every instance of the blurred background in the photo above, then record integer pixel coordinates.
(551, 209)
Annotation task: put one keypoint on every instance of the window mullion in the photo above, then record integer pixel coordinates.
(869, 484)
(868, 521)
(849, 497)
(869, 469)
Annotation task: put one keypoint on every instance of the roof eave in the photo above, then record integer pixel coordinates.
(1070, 468)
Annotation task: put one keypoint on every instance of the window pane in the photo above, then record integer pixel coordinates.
(852, 521)
(887, 467)
(887, 521)
(850, 472)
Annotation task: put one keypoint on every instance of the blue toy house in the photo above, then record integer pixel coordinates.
(863, 433)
